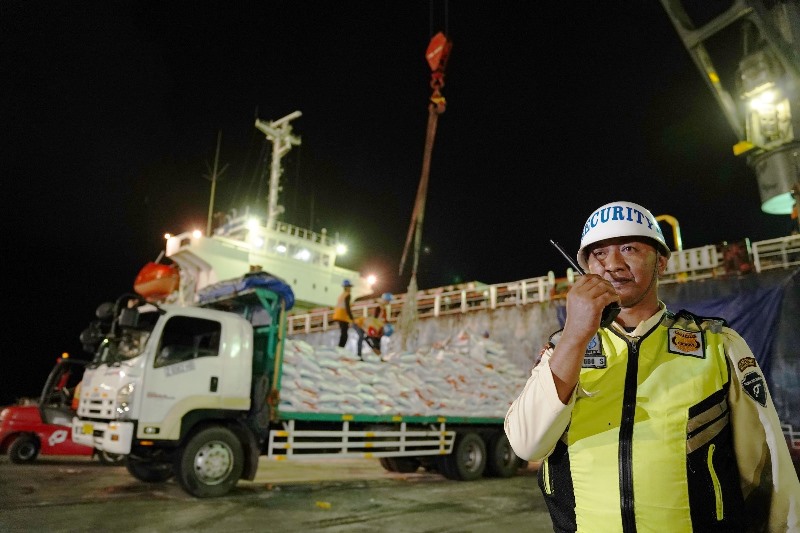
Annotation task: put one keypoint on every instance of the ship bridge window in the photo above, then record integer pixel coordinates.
(277, 247)
(308, 256)
(294, 251)
(187, 338)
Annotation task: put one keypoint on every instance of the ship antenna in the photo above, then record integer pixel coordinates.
(213, 178)
(279, 132)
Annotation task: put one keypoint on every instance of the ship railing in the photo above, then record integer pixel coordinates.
(436, 303)
(776, 253)
(236, 228)
(303, 233)
(699, 263)
(712, 261)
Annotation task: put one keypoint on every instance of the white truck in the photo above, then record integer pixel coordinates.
(201, 402)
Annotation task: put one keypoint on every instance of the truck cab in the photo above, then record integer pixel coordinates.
(193, 402)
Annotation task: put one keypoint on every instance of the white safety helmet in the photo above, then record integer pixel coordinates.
(620, 219)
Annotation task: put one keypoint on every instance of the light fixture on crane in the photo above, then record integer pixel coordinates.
(768, 96)
(761, 94)
(767, 110)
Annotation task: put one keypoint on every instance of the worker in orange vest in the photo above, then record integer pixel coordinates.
(76, 397)
(371, 328)
(342, 312)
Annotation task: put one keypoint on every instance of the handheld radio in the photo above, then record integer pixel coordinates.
(611, 310)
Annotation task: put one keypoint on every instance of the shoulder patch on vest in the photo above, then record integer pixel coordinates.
(593, 357)
(745, 363)
(687, 318)
(685, 342)
(753, 385)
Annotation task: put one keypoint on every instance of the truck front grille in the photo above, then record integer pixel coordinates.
(100, 408)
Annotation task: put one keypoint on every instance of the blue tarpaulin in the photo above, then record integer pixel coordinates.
(750, 308)
(765, 310)
(249, 281)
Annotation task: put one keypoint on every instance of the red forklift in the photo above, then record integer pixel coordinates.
(31, 427)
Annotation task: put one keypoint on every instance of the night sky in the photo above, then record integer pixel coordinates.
(111, 111)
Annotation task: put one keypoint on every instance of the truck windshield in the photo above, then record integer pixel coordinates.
(127, 345)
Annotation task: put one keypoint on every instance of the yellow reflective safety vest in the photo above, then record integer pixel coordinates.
(340, 311)
(658, 456)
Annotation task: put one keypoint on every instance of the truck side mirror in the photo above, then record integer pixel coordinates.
(105, 311)
(129, 317)
(91, 337)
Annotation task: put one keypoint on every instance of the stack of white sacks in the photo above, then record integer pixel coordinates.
(466, 376)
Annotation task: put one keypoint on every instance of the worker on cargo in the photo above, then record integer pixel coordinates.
(371, 327)
(661, 421)
(342, 312)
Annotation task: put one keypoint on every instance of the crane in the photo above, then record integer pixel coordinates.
(437, 54)
(758, 89)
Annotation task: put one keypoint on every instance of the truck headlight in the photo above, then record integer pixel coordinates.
(125, 401)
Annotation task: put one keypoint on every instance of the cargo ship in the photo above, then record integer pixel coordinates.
(246, 241)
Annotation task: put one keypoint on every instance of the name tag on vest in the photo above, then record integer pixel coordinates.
(685, 342)
(593, 357)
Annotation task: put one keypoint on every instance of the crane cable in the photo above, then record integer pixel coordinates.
(437, 55)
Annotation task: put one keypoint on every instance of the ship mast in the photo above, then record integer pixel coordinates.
(279, 132)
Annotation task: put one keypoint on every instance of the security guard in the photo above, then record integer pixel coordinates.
(661, 421)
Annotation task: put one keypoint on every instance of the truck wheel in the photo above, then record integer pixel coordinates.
(210, 463)
(386, 464)
(404, 465)
(24, 449)
(110, 459)
(501, 460)
(468, 460)
(148, 471)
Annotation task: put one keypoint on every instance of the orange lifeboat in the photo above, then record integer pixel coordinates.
(156, 281)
